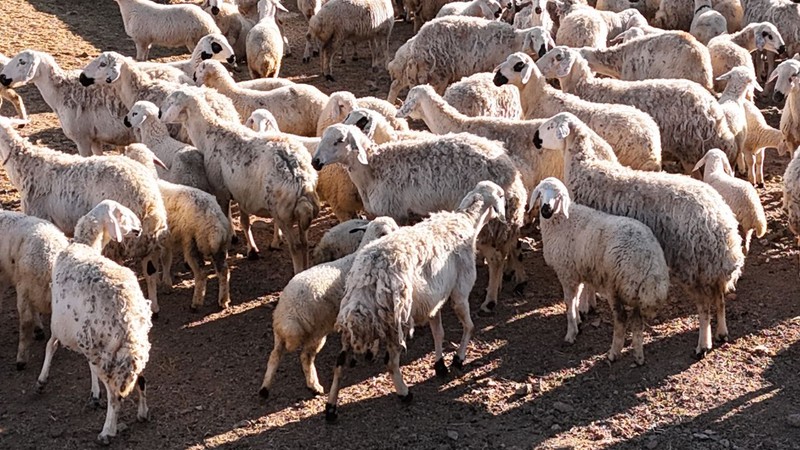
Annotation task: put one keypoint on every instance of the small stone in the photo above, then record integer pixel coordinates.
(199, 407)
(725, 443)
(596, 323)
(760, 350)
(452, 434)
(524, 389)
(555, 427)
(563, 407)
(793, 420)
(241, 424)
(700, 436)
(651, 444)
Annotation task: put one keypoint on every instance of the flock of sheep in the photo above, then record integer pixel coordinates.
(504, 148)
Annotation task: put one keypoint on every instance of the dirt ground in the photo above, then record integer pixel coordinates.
(521, 387)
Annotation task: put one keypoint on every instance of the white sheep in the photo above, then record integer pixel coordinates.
(791, 195)
(212, 46)
(402, 70)
(791, 112)
(339, 241)
(740, 195)
(741, 82)
(265, 84)
(487, 9)
(297, 108)
(89, 117)
(733, 50)
(707, 23)
(617, 256)
(587, 27)
(342, 102)
(678, 14)
(700, 240)
(149, 23)
(689, 117)
(647, 8)
(405, 278)
(477, 95)
(759, 136)
(265, 42)
(232, 23)
(535, 15)
(375, 127)
(632, 134)
(10, 94)
(783, 76)
(785, 15)
(422, 176)
(308, 306)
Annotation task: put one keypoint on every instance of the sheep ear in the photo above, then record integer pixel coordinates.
(562, 130)
(727, 165)
(724, 76)
(699, 164)
(359, 229)
(526, 75)
(551, 41)
(757, 86)
(280, 6)
(362, 154)
(563, 203)
(772, 76)
(111, 225)
(159, 163)
(534, 199)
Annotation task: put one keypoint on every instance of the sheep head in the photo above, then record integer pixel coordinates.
(553, 133)
(516, 70)
(715, 161)
(338, 143)
(557, 63)
(537, 42)
(262, 121)
(364, 119)
(139, 113)
(215, 46)
(550, 197)
(107, 66)
(412, 106)
(173, 110)
(21, 69)
(784, 75)
(211, 73)
(768, 38)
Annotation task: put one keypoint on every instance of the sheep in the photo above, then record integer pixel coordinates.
(333, 184)
(232, 23)
(366, 20)
(791, 195)
(741, 81)
(76, 184)
(265, 84)
(700, 240)
(307, 309)
(487, 9)
(449, 48)
(402, 71)
(738, 194)
(100, 312)
(10, 95)
(536, 15)
(785, 16)
(405, 278)
(647, 8)
(248, 8)
(213, 46)
(197, 226)
(791, 113)
(707, 23)
(184, 162)
(617, 256)
(342, 102)
(783, 75)
(267, 175)
(679, 14)
(477, 95)
(88, 117)
(632, 134)
(424, 11)
(587, 27)
(688, 116)
(339, 241)
(440, 171)
(29, 247)
(378, 130)
(148, 23)
(733, 50)
(264, 42)
(759, 136)
(297, 108)
(674, 55)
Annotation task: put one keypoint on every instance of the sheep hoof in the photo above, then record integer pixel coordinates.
(760, 185)
(234, 240)
(306, 60)
(194, 308)
(21, 365)
(355, 58)
(701, 353)
(722, 339)
(406, 398)
(39, 387)
(103, 440)
(639, 360)
(520, 288)
(316, 390)
(155, 316)
(38, 334)
(329, 78)
(252, 255)
(263, 392)
(94, 403)
(441, 368)
(143, 418)
(487, 309)
(457, 363)
(330, 413)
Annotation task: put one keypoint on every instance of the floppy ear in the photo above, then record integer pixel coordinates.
(362, 154)
(337, 108)
(563, 203)
(359, 229)
(111, 225)
(772, 76)
(727, 166)
(563, 67)
(526, 74)
(562, 130)
(699, 164)
(159, 163)
(551, 41)
(280, 6)
(534, 198)
(756, 86)
(724, 76)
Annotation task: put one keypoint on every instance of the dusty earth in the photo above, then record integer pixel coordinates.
(522, 387)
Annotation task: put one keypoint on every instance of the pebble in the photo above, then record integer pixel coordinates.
(701, 436)
(760, 350)
(241, 424)
(793, 420)
(555, 427)
(563, 407)
(651, 444)
(452, 434)
(524, 389)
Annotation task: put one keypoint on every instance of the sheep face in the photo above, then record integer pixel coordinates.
(491, 9)
(551, 197)
(557, 63)
(785, 74)
(207, 72)
(20, 70)
(493, 198)
(553, 133)
(363, 119)
(141, 111)
(768, 38)
(537, 42)
(116, 221)
(262, 121)
(516, 69)
(413, 103)
(173, 110)
(341, 103)
(715, 161)
(625, 36)
(215, 46)
(337, 143)
(106, 67)
(740, 79)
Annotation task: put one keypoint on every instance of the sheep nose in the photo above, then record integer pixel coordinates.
(542, 50)
(136, 232)
(232, 60)
(126, 122)
(537, 141)
(5, 81)
(85, 81)
(497, 14)
(316, 164)
(214, 10)
(546, 211)
(781, 49)
(778, 96)
(500, 79)
(538, 10)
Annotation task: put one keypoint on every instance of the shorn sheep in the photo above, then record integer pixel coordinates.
(307, 309)
(100, 312)
(264, 42)
(10, 94)
(477, 95)
(440, 170)
(689, 117)
(149, 23)
(405, 278)
(733, 50)
(740, 195)
(700, 241)
(760, 135)
(617, 256)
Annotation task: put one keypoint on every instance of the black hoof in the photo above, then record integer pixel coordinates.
(507, 276)
(263, 392)
(406, 398)
(94, 403)
(194, 309)
(355, 58)
(368, 357)
(722, 339)
(234, 240)
(154, 316)
(701, 354)
(488, 310)
(315, 53)
(329, 78)
(330, 413)
(441, 368)
(21, 365)
(38, 334)
(760, 185)
(252, 255)
(520, 288)
(457, 363)
(39, 387)
(584, 316)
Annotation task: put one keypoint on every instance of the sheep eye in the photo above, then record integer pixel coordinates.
(134, 114)
(538, 10)
(559, 57)
(519, 66)
(338, 141)
(102, 64)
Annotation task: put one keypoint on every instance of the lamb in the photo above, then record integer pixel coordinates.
(759, 136)
(700, 241)
(184, 162)
(632, 134)
(733, 50)
(618, 256)
(10, 95)
(440, 170)
(679, 14)
(232, 23)
(738, 194)
(213, 46)
(307, 309)
(791, 195)
(487, 9)
(366, 20)
(477, 95)
(267, 175)
(342, 102)
(100, 312)
(707, 23)
(76, 184)
(536, 15)
(741, 81)
(339, 241)
(149, 23)
(264, 44)
(88, 117)
(405, 278)
(673, 55)
(297, 108)
(587, 27)
(197, 226)
(378, 130)
(688, 116)
(29, 247)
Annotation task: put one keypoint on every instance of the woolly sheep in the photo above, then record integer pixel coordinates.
(791, 111)
(307, 309)
(149, 23)
(707, 23)
(632, 134)
(339, 241)
(402, 71)
(678, 14)
(700, 241)
(733, 50)
(264, 42)
(487, 9)
(587, 27)
(759, 136)
(341, 103)
(265, 84)
(791, 195)
(785, 15)
(647, 8)
(338, 21)
(213, 46)
(391, 286)
(688, 116)
(88, 117)
(618, 256)
(232, 23)
(665, 55)
(741, 81)
(378, 130)
(738, 194)
(267, 175)
(10, 95)
(535, 15)
(440, 171)
(783, 75)
(477, 95)
(297, 108)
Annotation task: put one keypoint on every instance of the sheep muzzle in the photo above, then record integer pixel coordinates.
(5, 81)
(85, 81)
(500, 79)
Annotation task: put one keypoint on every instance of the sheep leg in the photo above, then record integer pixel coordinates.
(759, 171)
(50, 350)
(298, 245)
(142, 50)
(15, 100)
(333, 396)
(620, 318)
(166, 267)
(571, 296)
(637, 327)
(272, 365)
(437, 330)
(722, 325)
(200, 278)
(514, 263)
(27, 323)
(225, 204)
(151, 279)
(587, 304)
(307, 357)
(749, 161)
(252, 249)
(277, 236)
(94, 397)
(393, 367)
(112, 412)
(704, 341)
(496, 261)
(460, 302)
(220, 260)
(142, 412)
(329, 51)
